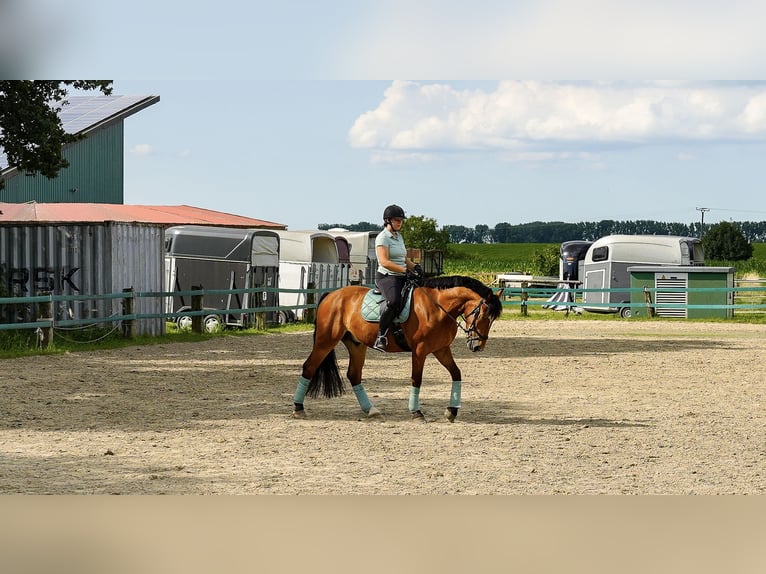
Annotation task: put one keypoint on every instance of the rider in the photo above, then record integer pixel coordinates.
(393, 265)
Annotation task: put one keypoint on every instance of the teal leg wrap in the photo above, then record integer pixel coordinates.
(414, 399)
(300, 392)
(454, 398)
(361, 396)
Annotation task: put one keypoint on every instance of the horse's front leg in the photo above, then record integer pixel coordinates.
(444, 356)
(416, 379)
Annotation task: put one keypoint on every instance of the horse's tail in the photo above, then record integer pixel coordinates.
(327, 379)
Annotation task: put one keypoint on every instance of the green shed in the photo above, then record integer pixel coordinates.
(682, 288)
(96, 163)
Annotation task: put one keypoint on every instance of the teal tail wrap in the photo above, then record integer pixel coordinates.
(300, 392)
(454, 398)
(361, 396)
(414, 404)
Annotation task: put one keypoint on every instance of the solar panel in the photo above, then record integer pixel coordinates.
(84, 112)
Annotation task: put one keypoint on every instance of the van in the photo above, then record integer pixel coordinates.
(606, 279)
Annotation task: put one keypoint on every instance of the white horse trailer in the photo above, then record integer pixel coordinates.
(308, 259)
(606, 263)
(363, 259)
(221, 258)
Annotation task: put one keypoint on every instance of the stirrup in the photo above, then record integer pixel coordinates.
(380, 343)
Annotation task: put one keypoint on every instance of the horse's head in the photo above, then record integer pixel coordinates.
(479, 321)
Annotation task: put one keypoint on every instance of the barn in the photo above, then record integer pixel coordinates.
(73, 235)
(93, 249)
(95, 172)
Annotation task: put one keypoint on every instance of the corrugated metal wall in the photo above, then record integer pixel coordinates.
(86, 259)
(94, 175)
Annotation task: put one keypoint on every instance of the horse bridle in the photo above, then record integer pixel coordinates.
(472, 329)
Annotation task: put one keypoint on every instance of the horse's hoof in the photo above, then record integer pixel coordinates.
(450, 414)
(418, 417)
(298, 414)
(373, 413)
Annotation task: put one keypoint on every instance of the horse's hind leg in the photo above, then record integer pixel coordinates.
(444, 356)
(320, 363)
(357, 353)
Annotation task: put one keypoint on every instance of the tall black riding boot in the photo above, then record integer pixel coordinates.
(386, 316)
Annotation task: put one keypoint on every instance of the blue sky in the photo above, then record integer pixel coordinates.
(278, 110)
(311, 152)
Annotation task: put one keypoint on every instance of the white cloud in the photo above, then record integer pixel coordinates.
(753, 118)
(142, 150)
(521, 119)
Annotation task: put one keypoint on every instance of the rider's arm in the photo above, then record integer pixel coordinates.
(382, 253)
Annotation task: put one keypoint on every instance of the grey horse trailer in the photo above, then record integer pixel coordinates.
(222, 258)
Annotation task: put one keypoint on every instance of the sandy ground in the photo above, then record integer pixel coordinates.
(554, 407)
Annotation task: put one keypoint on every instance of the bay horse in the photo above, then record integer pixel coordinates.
(435, 317)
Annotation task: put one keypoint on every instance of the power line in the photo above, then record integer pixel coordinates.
(733, 210)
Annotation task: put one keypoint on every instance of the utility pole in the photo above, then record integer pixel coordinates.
(702, 211)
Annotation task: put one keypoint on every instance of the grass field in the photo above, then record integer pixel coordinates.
(487, 260)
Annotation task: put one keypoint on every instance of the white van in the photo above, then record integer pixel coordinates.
(606, 265)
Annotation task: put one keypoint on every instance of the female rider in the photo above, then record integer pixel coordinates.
(393, 265)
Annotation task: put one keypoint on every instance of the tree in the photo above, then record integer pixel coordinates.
(361, 226)
(31, 134)
(421, 233)
(725, 242)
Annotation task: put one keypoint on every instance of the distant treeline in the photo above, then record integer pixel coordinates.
(558, 231)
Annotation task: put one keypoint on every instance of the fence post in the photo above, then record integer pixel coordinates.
(45, 313)
(128, 308)
(648, 302)
(196, 305)
(524, 298)
(310, 315)
(260, 317)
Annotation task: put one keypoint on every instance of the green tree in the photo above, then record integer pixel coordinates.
(422, 233)
(545, 261)
(31, 134)
(725, 242)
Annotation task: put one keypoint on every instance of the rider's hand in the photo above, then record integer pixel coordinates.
(418, 270)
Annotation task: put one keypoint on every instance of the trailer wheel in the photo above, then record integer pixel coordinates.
(213, 323)
(184, 323)
(626, 312)
(285, 317)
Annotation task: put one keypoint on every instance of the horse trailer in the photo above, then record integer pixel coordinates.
(362, 256)
(221, 258)
(572, 257)
(606, 279)
(308, 260)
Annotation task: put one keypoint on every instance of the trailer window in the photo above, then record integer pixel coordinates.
(601, 253)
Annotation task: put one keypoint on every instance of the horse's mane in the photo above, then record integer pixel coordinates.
(494, 304)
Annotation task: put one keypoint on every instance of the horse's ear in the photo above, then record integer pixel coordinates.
(499, 293)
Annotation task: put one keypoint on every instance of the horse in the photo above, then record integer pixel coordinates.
(436, 309)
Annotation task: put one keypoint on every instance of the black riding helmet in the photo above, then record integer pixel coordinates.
(392, 211)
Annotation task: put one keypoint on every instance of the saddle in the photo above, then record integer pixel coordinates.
(373, 299)
(371, 312)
